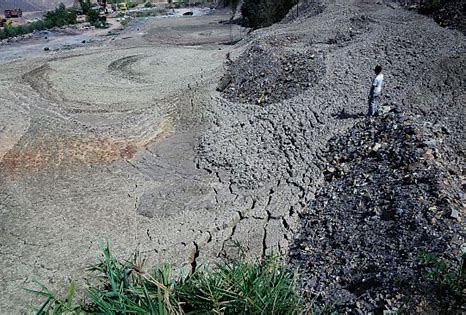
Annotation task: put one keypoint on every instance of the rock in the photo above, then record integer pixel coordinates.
(455, 214)
(394, 6)
(428, 155)
(446, 130)
(430, 143)
(46, 48)
(376, 147)
(267, 73)
(224, 83)
(385, 109)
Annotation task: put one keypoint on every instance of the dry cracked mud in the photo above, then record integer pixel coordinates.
(127, 140)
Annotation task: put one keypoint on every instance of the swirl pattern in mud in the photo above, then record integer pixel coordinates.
(117, 81)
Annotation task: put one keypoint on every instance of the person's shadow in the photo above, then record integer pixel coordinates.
(342, 114)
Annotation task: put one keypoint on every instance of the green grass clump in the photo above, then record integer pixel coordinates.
(237, 287)
(241, 288)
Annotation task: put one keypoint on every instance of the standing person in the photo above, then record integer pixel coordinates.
(375, 92)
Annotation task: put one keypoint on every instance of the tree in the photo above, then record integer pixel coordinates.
(60, 16)
(85, 6)
(233, 6)
(94, 18)
(261, 13)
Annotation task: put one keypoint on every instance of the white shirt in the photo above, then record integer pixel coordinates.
(377, 84)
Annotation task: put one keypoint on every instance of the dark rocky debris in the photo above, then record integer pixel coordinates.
(268, 72)
(447, 13)
(392, 188)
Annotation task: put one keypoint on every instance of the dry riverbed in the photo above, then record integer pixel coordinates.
(97, 142)
(126, 139)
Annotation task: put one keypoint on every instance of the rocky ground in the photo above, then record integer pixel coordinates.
(392, 189)
(267, 73)
(128, 140)
(278, 148)
(275, 148)
(447, 13)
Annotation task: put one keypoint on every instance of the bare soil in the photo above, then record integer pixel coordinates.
(97, 142)
(125, 138)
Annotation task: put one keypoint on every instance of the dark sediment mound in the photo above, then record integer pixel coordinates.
(392, 192)
(305, 9)
(269, 72)
(450, 13)
(447, 13)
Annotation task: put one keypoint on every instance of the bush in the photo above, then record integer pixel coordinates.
(180, 4)
(232, 288)
(94, 18)
(261, 13)
(447, 277)
(85, 6)
(59, 17)
(132, 4)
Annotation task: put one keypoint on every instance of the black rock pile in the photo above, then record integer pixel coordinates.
(270, 72)
(392, 190)
(306, 9)
(447, 13)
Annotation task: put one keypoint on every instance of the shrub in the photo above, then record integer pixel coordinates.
(180, 4)
(85, 6)
(261, 13)
(430, 6)
(132, 4)
(94, 18)
(445, 275)
(58, 17)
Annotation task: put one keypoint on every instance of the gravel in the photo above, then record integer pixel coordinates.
(449, 13)
(391, 190)
(281, 146)
(267, 72)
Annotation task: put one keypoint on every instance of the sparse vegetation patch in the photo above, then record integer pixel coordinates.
(237, 287)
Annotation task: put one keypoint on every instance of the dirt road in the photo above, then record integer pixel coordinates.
(126, 139)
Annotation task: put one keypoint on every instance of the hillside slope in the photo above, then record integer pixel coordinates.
(297, 85)
(126, 138)
(32, 5)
